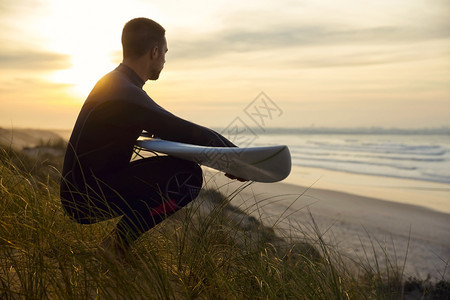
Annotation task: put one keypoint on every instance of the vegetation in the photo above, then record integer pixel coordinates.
(210, 250)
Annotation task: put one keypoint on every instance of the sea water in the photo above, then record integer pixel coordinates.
(409, 155)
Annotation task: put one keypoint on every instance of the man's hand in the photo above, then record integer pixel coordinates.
(234, 177)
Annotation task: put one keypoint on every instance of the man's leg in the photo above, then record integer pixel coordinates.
(152, 189)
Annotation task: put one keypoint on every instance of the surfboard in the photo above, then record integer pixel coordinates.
(261, 164)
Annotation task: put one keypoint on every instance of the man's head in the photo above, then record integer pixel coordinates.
(144, 40)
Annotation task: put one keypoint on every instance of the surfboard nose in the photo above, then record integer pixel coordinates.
(276, 166)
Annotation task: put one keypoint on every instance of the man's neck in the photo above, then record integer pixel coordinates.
(137, 66)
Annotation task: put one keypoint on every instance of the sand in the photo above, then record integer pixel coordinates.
(354, 223)
(431, 195)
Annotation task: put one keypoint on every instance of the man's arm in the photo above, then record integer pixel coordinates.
(167, 126)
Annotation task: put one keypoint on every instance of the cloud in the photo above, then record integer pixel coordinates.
(17, 7)
(33, 60)
(37, 85)
(362, 57)
(243, 40)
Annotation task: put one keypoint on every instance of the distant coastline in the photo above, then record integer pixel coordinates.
(445, 130)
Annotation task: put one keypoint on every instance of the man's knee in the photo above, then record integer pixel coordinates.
(197, 170)
(185, 184)
(197, 176)
(187, 166)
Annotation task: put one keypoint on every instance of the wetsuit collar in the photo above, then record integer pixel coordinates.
(131, 75)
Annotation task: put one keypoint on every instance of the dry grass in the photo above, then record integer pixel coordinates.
(209, 250)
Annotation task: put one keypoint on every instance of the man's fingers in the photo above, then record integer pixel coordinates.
(234, 177)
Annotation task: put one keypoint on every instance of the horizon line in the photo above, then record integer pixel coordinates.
(310, 129)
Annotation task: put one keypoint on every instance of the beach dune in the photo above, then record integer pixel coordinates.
(26, 137)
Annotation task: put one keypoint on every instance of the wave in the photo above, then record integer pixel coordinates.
(420, 157)
(354, 162)
(368, 156)
(380, 148)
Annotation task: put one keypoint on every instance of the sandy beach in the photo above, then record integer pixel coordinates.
(356, 214)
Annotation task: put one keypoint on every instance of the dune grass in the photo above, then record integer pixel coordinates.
(209, 250)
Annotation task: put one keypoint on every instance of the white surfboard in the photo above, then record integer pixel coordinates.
(262, 164)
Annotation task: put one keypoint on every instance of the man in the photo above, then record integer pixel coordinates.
(99, 181)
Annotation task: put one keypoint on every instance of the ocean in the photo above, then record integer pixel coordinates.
(411, 154)
(419, 155)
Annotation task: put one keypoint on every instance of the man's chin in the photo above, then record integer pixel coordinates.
(154, 77)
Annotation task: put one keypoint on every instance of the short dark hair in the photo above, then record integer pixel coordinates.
(140, 35)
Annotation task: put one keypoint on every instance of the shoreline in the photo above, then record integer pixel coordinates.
(427, 194)
(360, 227)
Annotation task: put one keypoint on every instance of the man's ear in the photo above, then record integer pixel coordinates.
(154, 52)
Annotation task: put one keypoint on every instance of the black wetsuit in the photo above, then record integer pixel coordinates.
(99, 181)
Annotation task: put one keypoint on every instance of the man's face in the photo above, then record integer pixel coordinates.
(158, 62)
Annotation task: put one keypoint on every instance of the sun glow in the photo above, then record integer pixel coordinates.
(87, 69)
(89, 33)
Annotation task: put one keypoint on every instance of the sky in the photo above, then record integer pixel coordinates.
(321, 63)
